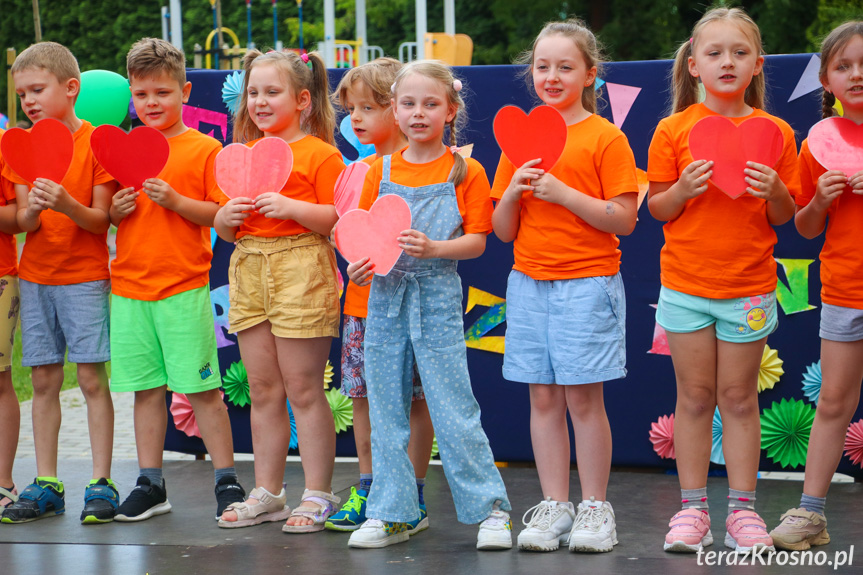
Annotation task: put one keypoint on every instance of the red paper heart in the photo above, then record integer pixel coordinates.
(244, 172)
(730, 146)
(524, 137)
(349, 187)
(130, 158)
(43, 152)
(837, 144)
(373, 233)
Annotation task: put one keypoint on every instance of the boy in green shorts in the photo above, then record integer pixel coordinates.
(162, 324)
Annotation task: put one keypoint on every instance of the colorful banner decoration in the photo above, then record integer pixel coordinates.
(328, 375)
(474, 336)
(794, 297)
(621, 99)
(236, 384)
(812, 382)
(785, 430)
(342, 408)
(206, 121)
(232, 90)
(220, 304)
(854, 442)
(662, 436)
(808, 81)
(771, 369)
(184, 415)
(363, 150)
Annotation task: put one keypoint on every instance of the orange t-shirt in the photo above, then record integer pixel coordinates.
(159, 252)
(841, 257)
(718, 247)
(8, 246)
(317, 166)
(471, 194)
(552, 242)
(357, 297)
(60, 252)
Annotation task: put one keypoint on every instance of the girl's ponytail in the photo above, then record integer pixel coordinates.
(828, 100)
(684, 86)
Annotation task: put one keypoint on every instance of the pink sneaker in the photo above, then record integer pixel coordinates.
(690, 531)
(746, 531)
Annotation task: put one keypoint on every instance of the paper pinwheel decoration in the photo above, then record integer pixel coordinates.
(434, 452)
(294, 441)
(785, 430)
(184, 416)
(232, 89)
(771, 369)
(662, 436)
(716, 454)
(343, 410)
(812, 382)
(854, 442)
(328, 375)
(236, 384)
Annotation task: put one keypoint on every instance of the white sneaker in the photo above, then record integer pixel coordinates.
(547, 527)
(495, 532)
(594, 529)
(374, 534)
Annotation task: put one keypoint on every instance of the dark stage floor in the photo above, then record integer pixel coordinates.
(187, 540)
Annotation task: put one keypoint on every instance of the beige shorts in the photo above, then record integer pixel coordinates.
(10, 301)
(289, 281)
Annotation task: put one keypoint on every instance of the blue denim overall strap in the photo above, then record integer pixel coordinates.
(415, 312)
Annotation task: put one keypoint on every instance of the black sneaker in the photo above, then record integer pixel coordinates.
(228, 490)
(100, 502)
(145, 501)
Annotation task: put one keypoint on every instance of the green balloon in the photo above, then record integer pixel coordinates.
(104, 98)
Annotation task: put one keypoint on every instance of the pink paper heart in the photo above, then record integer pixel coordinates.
(349, 187)
(730, 146)
(524, 137)
(244, 172)
(837, 144)
(373, 233)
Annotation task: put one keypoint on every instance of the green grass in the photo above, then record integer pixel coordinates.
(21, 375)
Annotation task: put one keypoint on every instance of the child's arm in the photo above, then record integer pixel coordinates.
(770, 188)
(29, 209)
(507, 213)
(811, 219)
(122, 204)
(666, 200)
(319, 218)
(418, 245)
(614, 216)
(93, 218)
(231, 216)
(9, 219)
(200, 212)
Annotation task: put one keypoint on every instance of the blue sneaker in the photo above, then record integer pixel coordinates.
(352, 514)
(420, 524)
(40, 499)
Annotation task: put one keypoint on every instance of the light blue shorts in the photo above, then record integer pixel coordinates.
(737, 320)
(566, 332)
(53, 317)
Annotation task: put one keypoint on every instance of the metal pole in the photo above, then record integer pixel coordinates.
(361, 31)
(449, 16)
(176, 15)
(249, 23)
(165, 17)
(329, 33)
(219, 31)
(276, 27)
(218, 36)
(37, 21)
(422, 28)
(300, 6)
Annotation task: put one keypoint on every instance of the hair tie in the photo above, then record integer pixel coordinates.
(456, 85)
(690, 40)
(306, 61)
(393, 88)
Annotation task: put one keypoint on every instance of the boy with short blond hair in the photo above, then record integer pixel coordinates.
(162, 323)
(64, 283)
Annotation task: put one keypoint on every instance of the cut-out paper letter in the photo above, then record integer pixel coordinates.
(200, 118)
(363, 150)
(220, 304)
(794, 297)
(524, 137)
(730, 146)
(130, 158)
(244, 172)
(474, 336)
(808, 81)
(43, 152)
(374, 233)
(837, 144)
(621, 98)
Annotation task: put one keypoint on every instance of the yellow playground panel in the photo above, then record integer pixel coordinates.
(454, 49)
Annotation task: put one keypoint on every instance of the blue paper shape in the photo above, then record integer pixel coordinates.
(294, 444)
(598, 84)
(812, 382)
(363, 150)
(232, 89)
(716, 455)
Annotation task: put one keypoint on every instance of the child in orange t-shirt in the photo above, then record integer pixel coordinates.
(284, 300)
(833, 198)
(161, 317)
(718, 301)
(566, 307)
(415, 314)
(10, 413)
(64, 282)
(364, 92)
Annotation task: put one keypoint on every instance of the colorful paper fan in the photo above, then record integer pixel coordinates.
(771, 369)
(812, 382)
(328, 375)
(236, 384)
(662, 436)
(184, 415)
(854, 442)
(294, 441)
(343, 409)
(716, 454)
(785, 430)
(232, 89)
(434, 451)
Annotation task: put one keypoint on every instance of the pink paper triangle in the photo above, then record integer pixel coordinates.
(621, 99)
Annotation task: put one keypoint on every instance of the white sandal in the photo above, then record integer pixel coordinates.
(327, 504)
(268, 508)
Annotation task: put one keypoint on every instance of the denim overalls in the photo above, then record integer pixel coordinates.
(415, 311)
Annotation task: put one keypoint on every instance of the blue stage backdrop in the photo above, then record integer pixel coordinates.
(635, 95)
